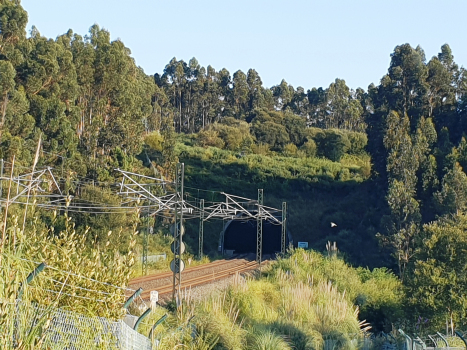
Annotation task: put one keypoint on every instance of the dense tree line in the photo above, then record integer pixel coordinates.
(202, 96)
(84, 95)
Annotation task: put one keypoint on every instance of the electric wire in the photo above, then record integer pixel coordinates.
(162, 203)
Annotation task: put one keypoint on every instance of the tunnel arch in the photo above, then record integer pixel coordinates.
(240, 235)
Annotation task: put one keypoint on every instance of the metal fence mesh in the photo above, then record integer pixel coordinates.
(65, 330)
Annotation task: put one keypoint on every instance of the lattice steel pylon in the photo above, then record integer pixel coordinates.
(178, 264)
(38, 182)
(201, 228)
(144, 257)
(284, 227)
(259, 228)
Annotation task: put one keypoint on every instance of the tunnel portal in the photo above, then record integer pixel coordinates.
(240, 236)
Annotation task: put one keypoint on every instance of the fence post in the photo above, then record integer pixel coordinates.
(130, 299)
(159, 321)
(30, 277)
(142, 317)
(2, 164)
(408, 340)
(460, 335)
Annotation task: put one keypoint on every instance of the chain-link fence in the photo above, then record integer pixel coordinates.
(65, 330)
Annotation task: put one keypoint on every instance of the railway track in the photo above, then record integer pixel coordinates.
(191, 277)
(169, 273)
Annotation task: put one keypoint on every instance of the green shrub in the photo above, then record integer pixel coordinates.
(309, 147)
(271, 133)
(290, 150)
(334, 145)
(154, 140)
(210, 137)
(262, 149)
(358, 142)
(295, 127)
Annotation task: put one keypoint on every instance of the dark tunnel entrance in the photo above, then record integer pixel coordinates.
(239, 237)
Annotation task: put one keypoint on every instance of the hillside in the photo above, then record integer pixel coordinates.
(315, 190)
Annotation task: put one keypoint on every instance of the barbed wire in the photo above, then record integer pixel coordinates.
(78, 287)
(80, 276)
(73, 296)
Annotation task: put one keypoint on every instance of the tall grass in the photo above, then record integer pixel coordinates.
(279, 311)
(219, 315)
(16, 329)
(87, 280)
(267, 340)
(286, 307)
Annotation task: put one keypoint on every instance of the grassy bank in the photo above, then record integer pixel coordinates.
(304, 301)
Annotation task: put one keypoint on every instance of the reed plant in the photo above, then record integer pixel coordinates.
(17, 331)
(378, 292)
(278, 312)
(219, 315)
(267, 340)
(32, 317)
(87, 280)
(285, 307)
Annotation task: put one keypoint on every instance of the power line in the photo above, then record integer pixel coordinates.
(135, 190)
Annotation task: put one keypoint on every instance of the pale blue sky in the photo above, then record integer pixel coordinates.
(308, 43)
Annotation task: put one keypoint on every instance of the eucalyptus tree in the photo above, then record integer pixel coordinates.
(402, 224)
(214, 101)
(13, 20)
(240, 94)
(299, 102)
(405, 87)
(282, 94)
(425, 139)
(174, 81)
(225, 91)
(452, 198)
(255, 87)
(7, 86)
(343, 111)
(317, 107)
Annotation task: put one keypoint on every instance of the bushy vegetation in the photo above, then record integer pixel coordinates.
(69, 257)
(282, 133)
(438, 275)
(244, 166)
(303, 301)
(78, 277)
